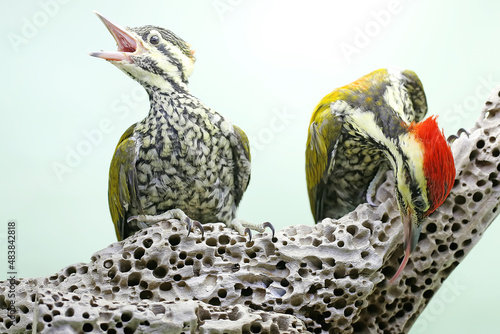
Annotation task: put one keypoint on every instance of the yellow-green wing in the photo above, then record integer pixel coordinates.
(325, 128)
(323, 134)
(122, 188)
(241, 154)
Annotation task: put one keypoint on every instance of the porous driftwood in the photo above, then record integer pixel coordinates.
(327, 278)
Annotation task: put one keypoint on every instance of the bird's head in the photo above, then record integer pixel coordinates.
(153, 56)
(425, 174)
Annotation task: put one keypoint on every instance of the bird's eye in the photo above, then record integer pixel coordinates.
(155, 39)
(418, 201)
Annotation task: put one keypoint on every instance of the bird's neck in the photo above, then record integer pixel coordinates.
(170, 103)
(162, 96)
(166, 89)
(166, 86)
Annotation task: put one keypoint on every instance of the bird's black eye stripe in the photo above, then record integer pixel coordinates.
(155, 39)
(418, 201)
(416, 193)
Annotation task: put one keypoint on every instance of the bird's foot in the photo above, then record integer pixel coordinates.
(452, 138)
(146, 220)
(244, 227)
(371, 192)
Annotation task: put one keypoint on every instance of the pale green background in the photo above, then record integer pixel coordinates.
(265, 65)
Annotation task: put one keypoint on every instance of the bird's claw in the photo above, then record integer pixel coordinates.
(249, 232)
(129, 219)
(261, 229)
(140, 221)
(451, 138)
(194, 223)
(454, 137)
(462, 130)
(171, 214)
(370, 201)
(271, 227)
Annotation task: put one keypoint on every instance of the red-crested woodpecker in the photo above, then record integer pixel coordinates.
(359, 131)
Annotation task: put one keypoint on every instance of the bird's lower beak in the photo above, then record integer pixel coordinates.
(412, 229)
(127, 44)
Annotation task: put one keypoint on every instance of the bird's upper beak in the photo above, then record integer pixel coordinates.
(412, 228)
(128, 44)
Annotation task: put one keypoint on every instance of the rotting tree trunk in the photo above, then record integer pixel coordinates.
(331, 277)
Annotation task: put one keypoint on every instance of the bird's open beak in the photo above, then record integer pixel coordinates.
(412, 229)
(128, 45)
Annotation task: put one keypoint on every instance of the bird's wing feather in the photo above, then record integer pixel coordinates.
(240, 147)
(123, 185)
(324, 133)
(417, 95)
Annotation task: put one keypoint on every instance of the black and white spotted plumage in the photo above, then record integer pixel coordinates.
(186, 156)
(183, 155)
